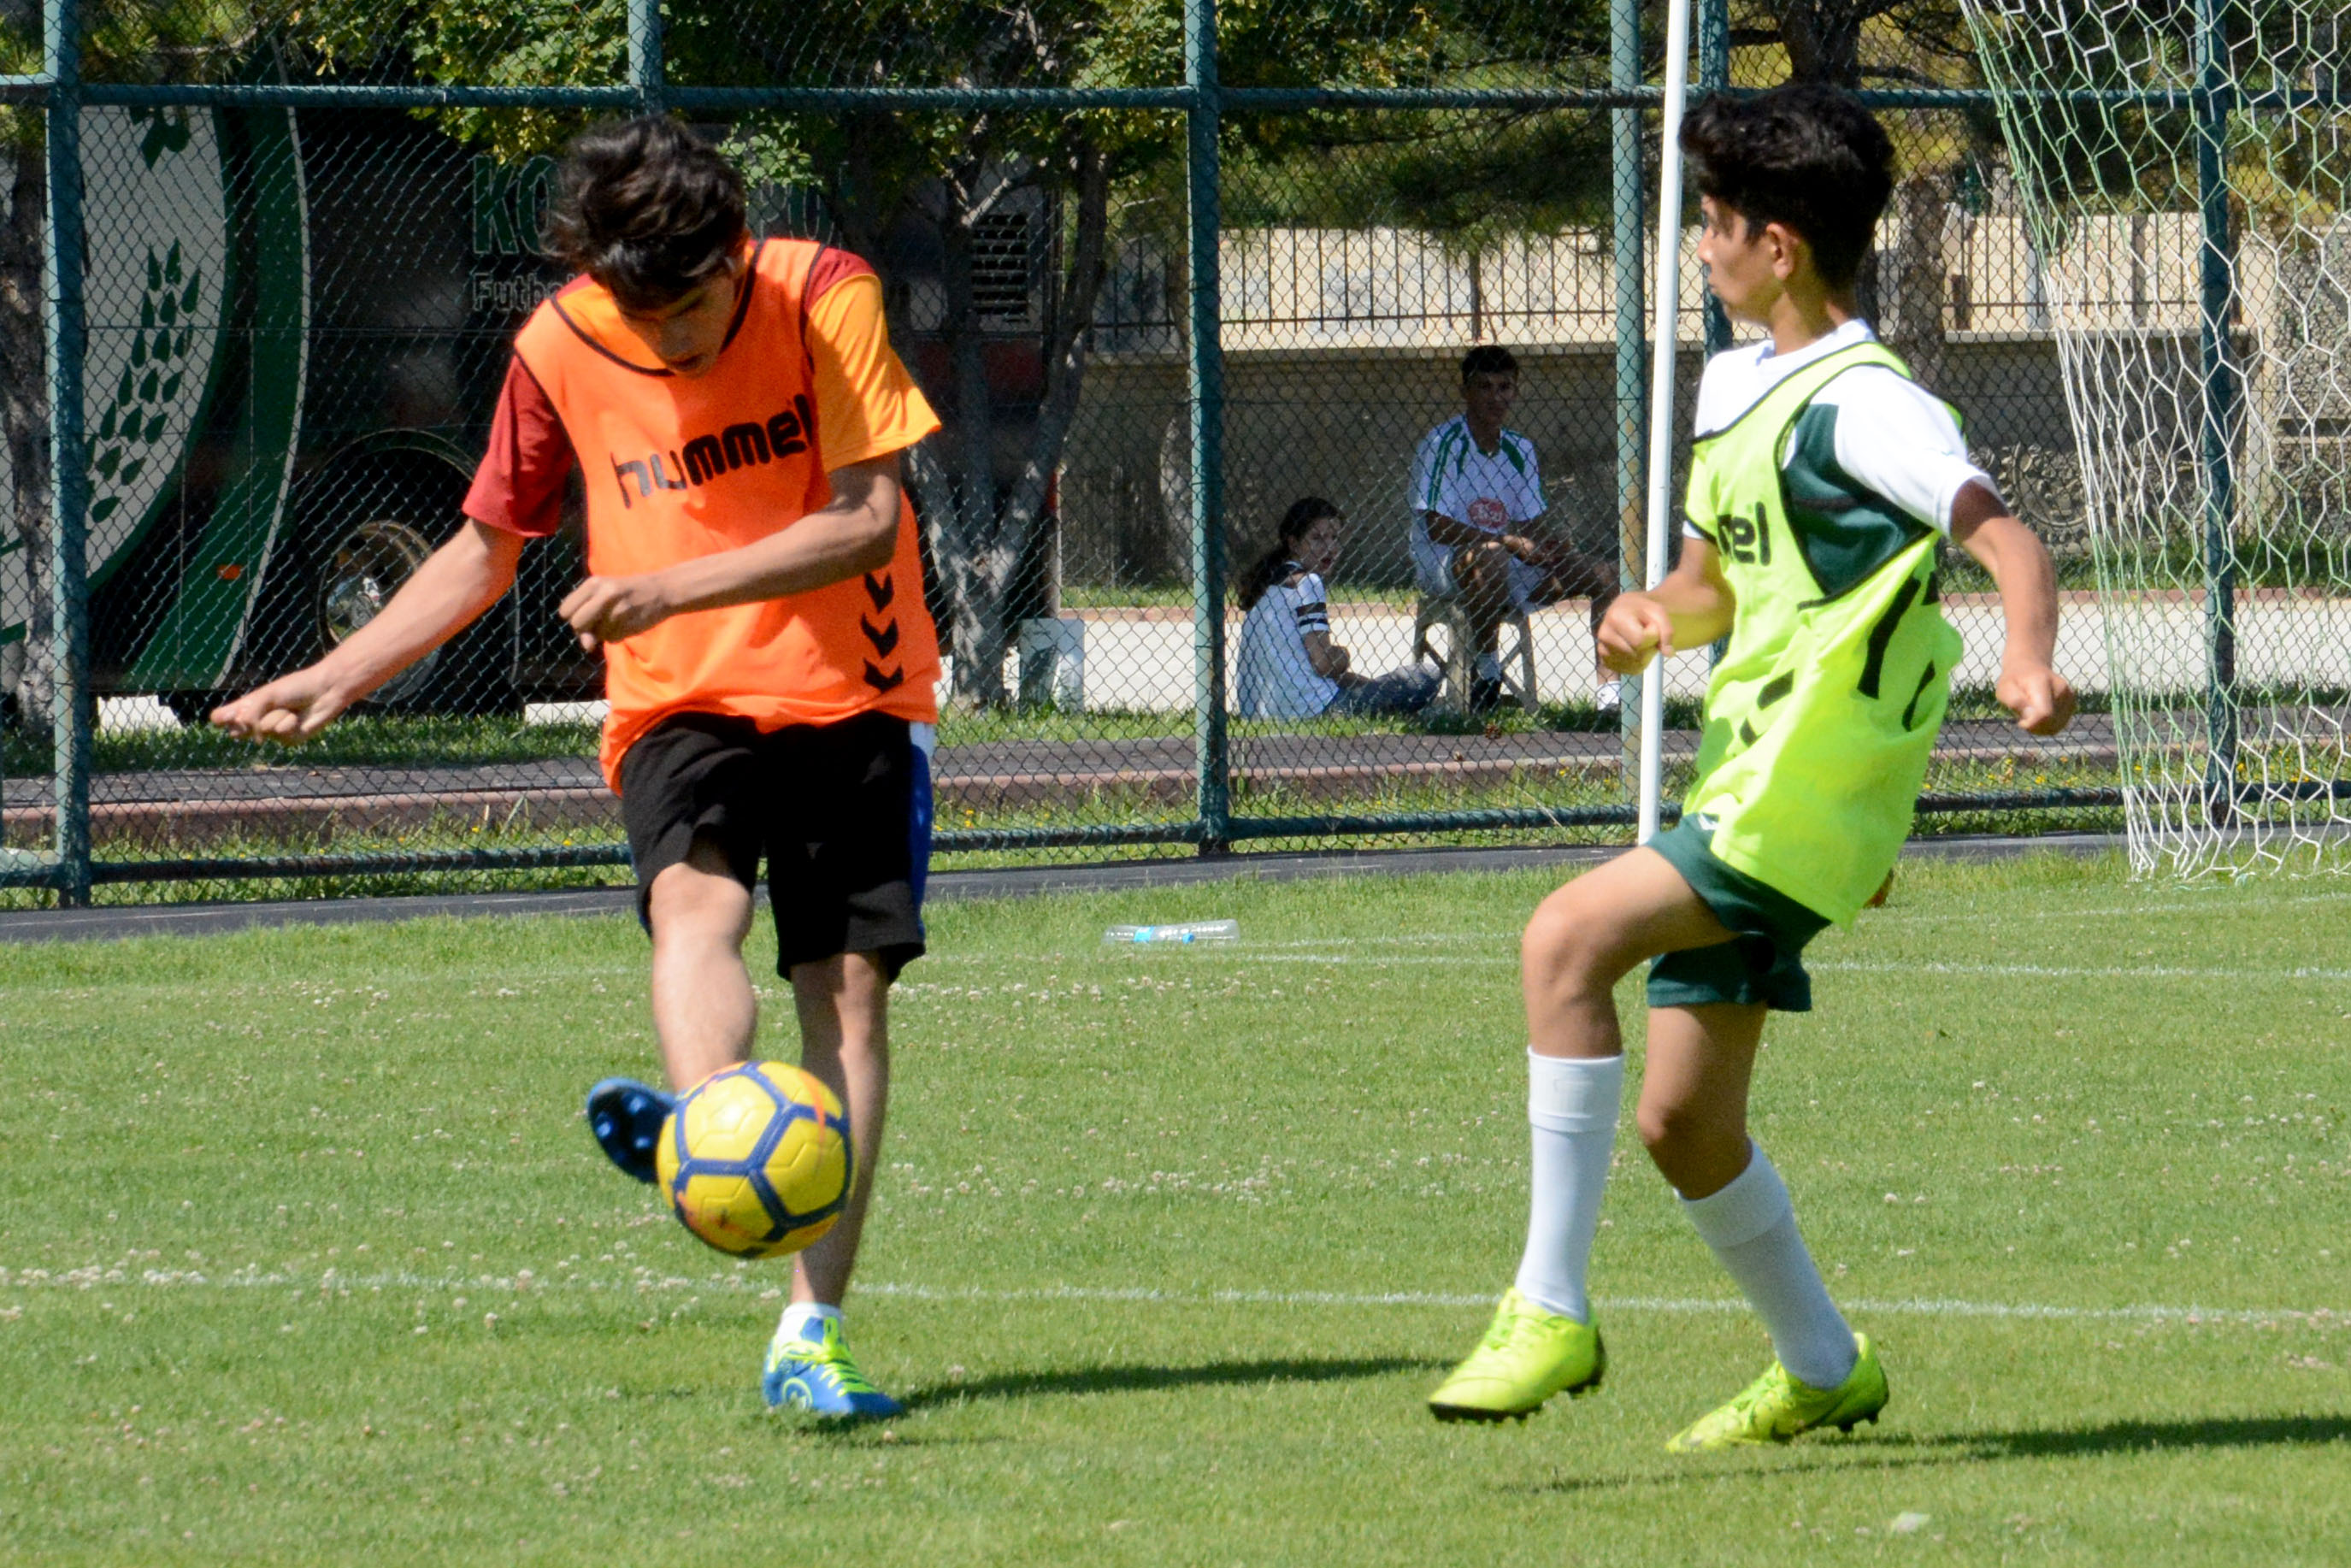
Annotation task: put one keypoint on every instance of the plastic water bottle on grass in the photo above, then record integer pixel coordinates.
(1187, 934)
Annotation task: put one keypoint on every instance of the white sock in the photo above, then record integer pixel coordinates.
(1751, 1228)
(800, 1315)
(1571, 1111)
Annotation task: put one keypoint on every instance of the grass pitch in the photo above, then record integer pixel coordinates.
(304, 1256)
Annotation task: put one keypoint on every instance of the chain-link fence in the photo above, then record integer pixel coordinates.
(1164, 277)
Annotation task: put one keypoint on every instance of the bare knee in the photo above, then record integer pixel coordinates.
(1567, 951)
(1696, 1150)
(1484, 574)
(1666, 1126)
(693, 902)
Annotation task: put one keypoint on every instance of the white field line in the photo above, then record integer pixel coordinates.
(1924, 967)
(122, 1280)
(2085, 971)
(1668, 1305)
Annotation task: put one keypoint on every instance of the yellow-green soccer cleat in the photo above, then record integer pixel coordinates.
(1528, 1356)
(1776, 1408)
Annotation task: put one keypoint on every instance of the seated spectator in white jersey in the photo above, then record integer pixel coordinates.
(1289, 668)
(1476, 494)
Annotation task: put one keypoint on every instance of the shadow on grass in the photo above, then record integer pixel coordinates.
(1144, 1379)
(2143, 1436)
(1903, 1451)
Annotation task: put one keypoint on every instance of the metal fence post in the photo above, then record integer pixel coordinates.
(1713, 76)
(75, 708)
(2218, 257)
(1207, 378)
(645, 54)
(1632, 380)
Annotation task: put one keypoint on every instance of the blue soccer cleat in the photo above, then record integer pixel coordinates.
(626, 1118)
(811, 1371)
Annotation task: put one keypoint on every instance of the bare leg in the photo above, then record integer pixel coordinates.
(1575, 575)
(704, 1011)
(1590, 934)
(1693, 1113)
(1483, 573)
(1581, 942)
(844, 1013)
(1693, 1117)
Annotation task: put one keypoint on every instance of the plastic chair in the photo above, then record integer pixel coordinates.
(1515, 650)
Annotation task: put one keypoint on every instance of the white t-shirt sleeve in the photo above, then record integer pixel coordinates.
(1445, 495)
(1309, 608)
(1898, 439)
(1424, 472)
(1725, 388)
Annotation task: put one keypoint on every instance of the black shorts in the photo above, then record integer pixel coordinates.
(841, 812)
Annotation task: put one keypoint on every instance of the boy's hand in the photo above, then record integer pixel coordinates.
(1635, 629)
(612, 609)
(289, 711)
(2041, 699)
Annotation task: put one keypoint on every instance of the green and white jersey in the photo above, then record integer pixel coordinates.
(1820, 718)
(1490, 491)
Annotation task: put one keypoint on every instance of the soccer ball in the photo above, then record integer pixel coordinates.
(756, 1159)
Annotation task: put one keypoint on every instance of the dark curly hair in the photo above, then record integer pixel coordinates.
(646, 208)
(1806, 156)
(1488, 358)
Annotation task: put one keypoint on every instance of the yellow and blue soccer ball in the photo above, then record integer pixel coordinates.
(756, 1160)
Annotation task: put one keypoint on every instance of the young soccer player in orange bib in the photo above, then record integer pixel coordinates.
(1823, 482)
(755, 589)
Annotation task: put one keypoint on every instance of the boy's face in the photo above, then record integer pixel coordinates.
(1748, 265)
(1488, 396)
(686, 333)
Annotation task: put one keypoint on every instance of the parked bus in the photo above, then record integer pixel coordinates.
(298, 322)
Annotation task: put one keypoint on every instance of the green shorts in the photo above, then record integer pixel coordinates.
(1762, 962)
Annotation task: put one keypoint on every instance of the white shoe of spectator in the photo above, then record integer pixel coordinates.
(1609, 697)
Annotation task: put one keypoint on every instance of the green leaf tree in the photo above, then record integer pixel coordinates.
(983, 485)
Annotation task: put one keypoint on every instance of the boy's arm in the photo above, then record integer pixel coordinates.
(457, 583)
(1693, 605)
(1445, 530)
(856, 531)
(2030, 686)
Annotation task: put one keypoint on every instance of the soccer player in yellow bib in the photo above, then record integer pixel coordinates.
(1821, 479)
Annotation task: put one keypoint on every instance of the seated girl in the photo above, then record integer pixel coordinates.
(1289, 668)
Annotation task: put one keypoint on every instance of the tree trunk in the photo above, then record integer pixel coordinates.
(1912, 279)
(24, 426)
(979, 531)
(1822, 39)
(980, 534)
(968, 538)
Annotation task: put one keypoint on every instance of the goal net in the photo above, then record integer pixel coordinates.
(2182, 173)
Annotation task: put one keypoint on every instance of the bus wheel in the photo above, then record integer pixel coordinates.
(358, 574)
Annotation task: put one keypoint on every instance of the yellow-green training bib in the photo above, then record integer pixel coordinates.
(1820, 718)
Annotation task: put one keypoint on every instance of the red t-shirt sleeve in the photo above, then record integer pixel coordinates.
(520, 486)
